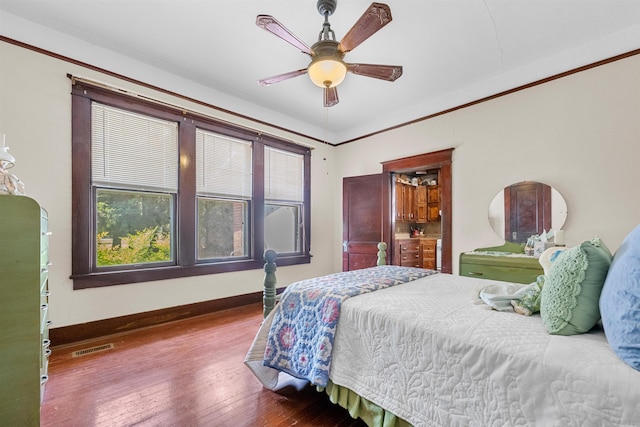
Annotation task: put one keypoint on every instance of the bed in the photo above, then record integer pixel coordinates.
(422, 349)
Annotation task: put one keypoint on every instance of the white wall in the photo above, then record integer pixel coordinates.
(35, 115)
(580, 134)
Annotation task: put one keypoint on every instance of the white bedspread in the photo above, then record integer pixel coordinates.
(427, 353)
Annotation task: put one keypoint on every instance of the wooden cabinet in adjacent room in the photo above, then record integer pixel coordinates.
(399, 201)
(421, 204)
(24, 337)
(428, 248)
(405, 206)
(407, 253)
(415, 252)
(417, 204)
(433, 203)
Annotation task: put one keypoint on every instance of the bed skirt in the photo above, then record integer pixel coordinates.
(359, 407)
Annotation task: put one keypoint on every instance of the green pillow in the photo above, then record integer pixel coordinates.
(570, 297)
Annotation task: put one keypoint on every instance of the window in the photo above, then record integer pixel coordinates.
(284, 199)
(134, 175)
(133, 228)
(224, 189)
(162, 193)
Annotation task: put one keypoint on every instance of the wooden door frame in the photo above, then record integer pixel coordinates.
(434, 160)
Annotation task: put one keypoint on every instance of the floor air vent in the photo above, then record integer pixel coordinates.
(90, 350)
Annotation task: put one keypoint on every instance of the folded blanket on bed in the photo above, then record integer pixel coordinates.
(503, 296)
(499, 295)
(301, 337)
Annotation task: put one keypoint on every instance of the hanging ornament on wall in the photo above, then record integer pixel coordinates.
(9, 183)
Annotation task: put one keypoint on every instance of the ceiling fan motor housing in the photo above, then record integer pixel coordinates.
(327, 7)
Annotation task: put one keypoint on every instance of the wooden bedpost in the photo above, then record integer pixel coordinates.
(269, 292)
(382, 254)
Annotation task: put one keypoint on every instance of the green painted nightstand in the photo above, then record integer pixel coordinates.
(500, 263)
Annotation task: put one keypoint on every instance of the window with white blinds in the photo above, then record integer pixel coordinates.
(223, 165)
(284, 196)
(283, 175)
(161, 192)
(134, 151)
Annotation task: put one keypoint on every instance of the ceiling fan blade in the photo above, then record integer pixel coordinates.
(383, 72)
(271, 24)
(330, 96)
(375, 17)
(280, 77)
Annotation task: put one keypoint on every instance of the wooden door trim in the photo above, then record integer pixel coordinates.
(434, 160)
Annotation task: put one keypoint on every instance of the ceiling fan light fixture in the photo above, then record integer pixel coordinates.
(327, 71)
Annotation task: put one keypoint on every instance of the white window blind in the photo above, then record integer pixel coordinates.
(283, 175)
(223, 165)
(130, 150)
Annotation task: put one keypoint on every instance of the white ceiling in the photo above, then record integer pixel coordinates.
(452, 51)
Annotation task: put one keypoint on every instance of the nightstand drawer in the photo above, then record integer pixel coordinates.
(410, 246)
(508, 268)
(503, 273)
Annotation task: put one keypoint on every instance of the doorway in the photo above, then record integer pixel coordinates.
(436, 160)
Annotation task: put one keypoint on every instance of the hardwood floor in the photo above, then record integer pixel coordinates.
(185, 373)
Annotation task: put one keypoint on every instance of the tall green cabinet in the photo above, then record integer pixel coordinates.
(24, 336)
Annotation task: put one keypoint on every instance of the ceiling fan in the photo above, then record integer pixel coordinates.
(327, 68)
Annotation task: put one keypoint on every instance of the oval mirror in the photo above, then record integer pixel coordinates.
(526, 208)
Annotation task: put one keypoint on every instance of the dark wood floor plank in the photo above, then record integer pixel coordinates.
(185, 373)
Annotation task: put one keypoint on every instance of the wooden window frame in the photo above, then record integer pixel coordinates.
(84, 273)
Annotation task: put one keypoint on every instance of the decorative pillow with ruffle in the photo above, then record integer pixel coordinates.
(571, 293)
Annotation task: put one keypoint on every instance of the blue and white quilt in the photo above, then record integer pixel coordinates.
(301, 337)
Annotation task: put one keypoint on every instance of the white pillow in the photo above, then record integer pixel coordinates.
(548, 257)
